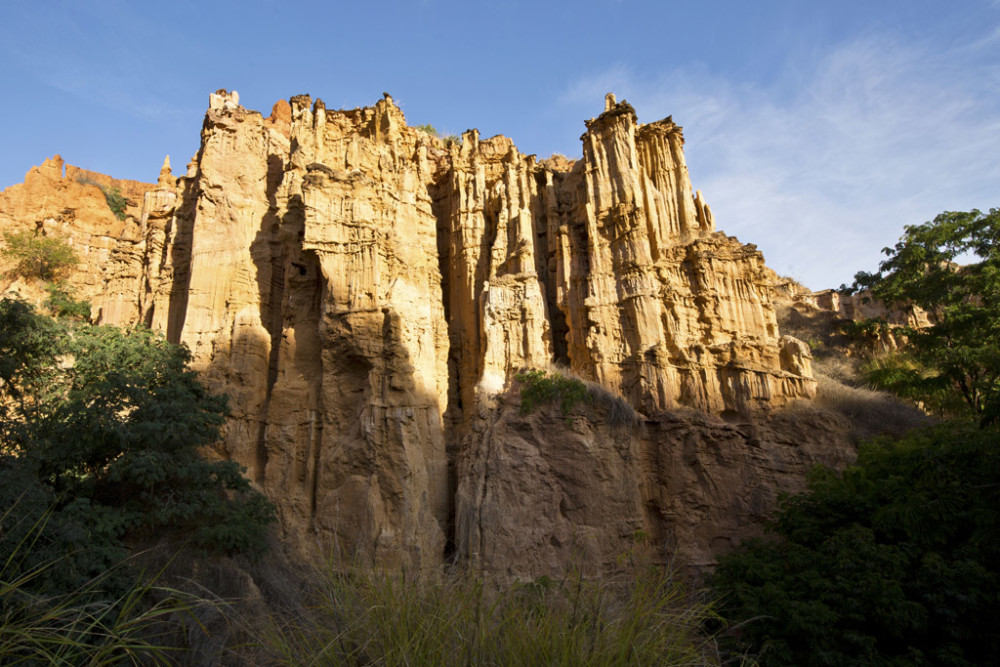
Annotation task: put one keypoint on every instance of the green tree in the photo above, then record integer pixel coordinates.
(894, 562)
(37, 256)
(62, 303)
(99, 433)
(960, 352)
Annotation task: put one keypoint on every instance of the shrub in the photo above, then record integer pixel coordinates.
(539, 387)
(116, 201)
(61, 303)
(895, 561)
(36, 256)
(100, 428)
(428, 128)
(904, 376)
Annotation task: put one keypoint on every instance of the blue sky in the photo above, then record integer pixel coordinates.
(815, 130)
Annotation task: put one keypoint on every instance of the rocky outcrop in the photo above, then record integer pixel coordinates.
(542, 492)
(817, 314)
(365, 293)
(67, 202)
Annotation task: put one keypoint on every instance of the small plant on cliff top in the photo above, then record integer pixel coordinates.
(44, 257)
(117, 202)
(428, 128)
(540, 387)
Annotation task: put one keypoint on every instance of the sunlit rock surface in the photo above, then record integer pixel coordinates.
(366, 292)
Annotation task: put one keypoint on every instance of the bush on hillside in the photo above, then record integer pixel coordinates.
(539, 387)
(62, 303)
(38, 256)
(896, 561)
(117, 202)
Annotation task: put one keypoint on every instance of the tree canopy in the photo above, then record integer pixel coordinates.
(100, 430)
(894, 562)
(960, 352)
(37, 256)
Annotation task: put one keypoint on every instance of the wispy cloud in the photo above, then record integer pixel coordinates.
(824, 169)
(104, 54)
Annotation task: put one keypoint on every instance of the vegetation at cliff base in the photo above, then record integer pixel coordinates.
(896, 561)
(642, 617)
(38, 256)
(99, 436)
(87, 625)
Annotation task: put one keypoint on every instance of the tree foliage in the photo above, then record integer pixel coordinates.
(99, 433)
(960, 352)
(62, 303)
(894, 562)
(37, 256)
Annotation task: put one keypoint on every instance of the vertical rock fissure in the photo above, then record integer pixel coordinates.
(545, 220)
(272, 317)
(271, 265)
(441, 195)
(180, 259)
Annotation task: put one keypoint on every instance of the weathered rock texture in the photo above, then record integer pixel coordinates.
(366, 293)
(67, 202)
(826, 311)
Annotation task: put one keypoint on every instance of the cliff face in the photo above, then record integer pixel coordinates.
(67, 202)
(366, 293)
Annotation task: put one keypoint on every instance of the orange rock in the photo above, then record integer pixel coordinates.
(365, 293)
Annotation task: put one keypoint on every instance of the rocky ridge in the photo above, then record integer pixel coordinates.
(366, 294)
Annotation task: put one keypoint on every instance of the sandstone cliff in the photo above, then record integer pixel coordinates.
(366, 294)
(67, 202)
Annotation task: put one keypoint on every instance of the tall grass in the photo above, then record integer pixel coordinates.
(870, 412)
(85, 626)
(647, 617)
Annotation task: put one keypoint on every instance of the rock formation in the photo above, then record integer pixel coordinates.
(366, 293)
(67, 202)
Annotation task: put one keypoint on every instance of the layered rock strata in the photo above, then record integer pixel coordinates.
(366, 292)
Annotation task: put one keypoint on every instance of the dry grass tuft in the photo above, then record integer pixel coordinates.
(620, 414)
(871, 413)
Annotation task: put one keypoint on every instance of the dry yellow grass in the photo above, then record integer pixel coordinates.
(869, 412)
